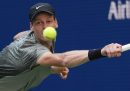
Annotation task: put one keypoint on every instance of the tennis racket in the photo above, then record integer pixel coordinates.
(125, 47)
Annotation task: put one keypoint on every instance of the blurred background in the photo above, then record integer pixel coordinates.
(83, 24)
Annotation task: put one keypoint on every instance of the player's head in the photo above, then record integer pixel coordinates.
(40, 7)
(42, 15)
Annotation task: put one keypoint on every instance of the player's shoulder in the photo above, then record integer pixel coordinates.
(27, 39)
(26, 36)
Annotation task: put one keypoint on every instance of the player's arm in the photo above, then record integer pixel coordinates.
(66, 59)
(49, 59)
(75, 58)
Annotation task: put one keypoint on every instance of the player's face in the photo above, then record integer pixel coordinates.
(42, 21)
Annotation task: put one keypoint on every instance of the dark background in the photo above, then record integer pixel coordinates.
(83, 24)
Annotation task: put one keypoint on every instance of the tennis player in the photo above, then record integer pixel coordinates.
(28, 60)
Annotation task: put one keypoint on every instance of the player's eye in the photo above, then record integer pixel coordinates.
(49, 21)
(38, 22)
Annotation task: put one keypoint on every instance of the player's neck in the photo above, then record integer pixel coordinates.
(48, 44)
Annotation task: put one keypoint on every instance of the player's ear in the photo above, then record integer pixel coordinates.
(30, 25)
(56, 23)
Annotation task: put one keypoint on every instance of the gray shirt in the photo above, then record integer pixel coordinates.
(18, 68)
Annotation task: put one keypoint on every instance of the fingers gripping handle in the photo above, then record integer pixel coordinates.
(125, 47)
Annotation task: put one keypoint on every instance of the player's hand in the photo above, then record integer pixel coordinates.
(62, 71)
(112, 50)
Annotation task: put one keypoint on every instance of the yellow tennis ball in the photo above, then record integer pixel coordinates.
(49, 33)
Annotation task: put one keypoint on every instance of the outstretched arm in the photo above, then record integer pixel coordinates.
(77, 57)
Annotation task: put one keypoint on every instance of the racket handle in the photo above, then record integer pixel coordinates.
(125, 47)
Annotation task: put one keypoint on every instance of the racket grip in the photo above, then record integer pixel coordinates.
(125, 47)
